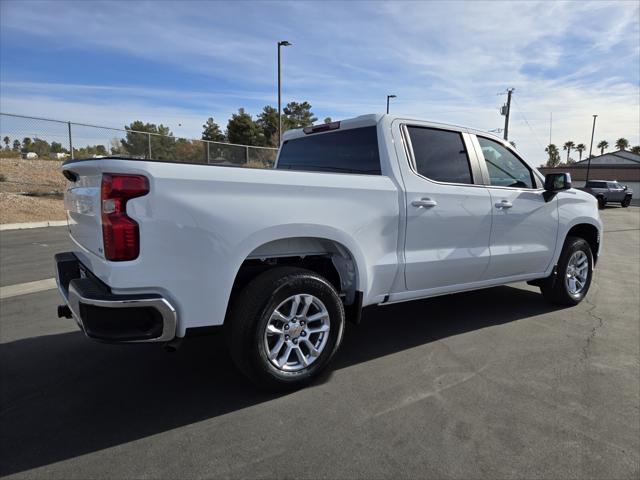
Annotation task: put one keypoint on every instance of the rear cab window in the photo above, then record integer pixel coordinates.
(440, 155)
(353, 150)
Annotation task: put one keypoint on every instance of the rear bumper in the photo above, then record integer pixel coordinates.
(109, 317)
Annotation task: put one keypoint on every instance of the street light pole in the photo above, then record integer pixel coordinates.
(593, 130)
(388, 97)
(282, 43)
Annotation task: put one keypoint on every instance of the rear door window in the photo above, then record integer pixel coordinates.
(345, 151)
(440, 155)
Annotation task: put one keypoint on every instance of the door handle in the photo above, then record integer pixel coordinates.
(424, 202)
(504, 204)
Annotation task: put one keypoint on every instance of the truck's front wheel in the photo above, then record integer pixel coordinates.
(573, 277)
(284, 327)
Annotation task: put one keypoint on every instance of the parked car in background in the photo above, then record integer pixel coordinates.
(373, 210)
(609, 191)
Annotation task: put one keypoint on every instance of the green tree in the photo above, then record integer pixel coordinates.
(138, 142)
(327, 120)
(191, 150)
(568, 146)
(41, 147)
(554, 155)
(581, 147)
(26, 144)
(6, 141)
(636, 149)
(603, 145)
(268, 122)
(622, 144)
(243, 130)
(56, 147)
(90, 151)
(212, 131)
(298, 115)
(16, 145)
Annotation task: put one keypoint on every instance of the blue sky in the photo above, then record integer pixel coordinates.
(178, 63)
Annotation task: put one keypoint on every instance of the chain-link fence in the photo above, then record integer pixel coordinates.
(41, 138)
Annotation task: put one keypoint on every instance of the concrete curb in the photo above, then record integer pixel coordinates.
(21, 226)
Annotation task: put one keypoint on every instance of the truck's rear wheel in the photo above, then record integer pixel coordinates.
(573, 276)
(601, 202)
(284, 327)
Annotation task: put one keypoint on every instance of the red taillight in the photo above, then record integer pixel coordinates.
(120, 233)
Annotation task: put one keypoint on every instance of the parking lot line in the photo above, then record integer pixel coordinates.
(28, 287)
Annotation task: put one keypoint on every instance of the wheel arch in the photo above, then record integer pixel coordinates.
(588, 232)
(322, 249)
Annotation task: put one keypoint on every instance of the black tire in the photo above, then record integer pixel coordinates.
(554, 288)
(251, 311)
(601, 202)
(626, 202)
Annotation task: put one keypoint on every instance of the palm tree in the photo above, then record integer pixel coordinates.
(6, 141)
(554, 155)
(636, 149)
(568, 146)
(622, 144)
(603, 145)
(581, 147)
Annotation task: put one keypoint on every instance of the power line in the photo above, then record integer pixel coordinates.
(528, 124)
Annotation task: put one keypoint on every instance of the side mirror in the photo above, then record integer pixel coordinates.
(554, 182)
(626, 187)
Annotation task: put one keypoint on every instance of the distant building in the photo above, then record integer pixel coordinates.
(58, 156)
(621, 165)
(29, 155)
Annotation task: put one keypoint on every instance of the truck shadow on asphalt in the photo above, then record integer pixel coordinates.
(63, 396)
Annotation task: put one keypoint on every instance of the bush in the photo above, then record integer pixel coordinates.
(2, 177)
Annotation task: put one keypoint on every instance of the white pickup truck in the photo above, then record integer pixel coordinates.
(368, 211)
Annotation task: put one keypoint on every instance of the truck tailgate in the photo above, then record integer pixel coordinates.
(83, 206)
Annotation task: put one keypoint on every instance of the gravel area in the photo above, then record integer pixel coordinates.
(39, 177)
(15, 208)
(34, 176)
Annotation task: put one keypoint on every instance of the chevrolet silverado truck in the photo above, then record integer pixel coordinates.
(607, 191)
(373, 210)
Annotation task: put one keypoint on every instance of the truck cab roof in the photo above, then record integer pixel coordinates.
(373, 119)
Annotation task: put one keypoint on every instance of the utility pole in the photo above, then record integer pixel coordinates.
(593, 130)
(282, 43)
(388, 97)
(550, 125)
(506, 110)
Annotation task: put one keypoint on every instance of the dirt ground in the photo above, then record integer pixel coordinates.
(20, 180)
(16, 208)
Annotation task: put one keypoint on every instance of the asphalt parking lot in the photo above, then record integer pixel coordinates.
(488, 384)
